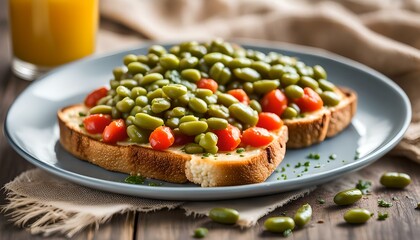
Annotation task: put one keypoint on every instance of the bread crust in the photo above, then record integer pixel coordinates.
(327, 122)
(169, 165)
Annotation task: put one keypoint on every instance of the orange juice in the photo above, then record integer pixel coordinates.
(52, 32)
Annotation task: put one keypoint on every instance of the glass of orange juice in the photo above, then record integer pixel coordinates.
(48, 33)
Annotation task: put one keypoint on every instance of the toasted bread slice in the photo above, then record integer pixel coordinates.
(252, 166)
(314, 127)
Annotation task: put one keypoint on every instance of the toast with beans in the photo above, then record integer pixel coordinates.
(214, 114)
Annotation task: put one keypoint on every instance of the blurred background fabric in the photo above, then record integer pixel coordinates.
(383, 34)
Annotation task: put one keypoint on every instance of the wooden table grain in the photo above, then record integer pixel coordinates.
(327, 222)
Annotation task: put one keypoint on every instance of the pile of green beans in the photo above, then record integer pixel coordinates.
(159, 88)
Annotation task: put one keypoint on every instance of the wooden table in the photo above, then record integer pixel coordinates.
(327, 223)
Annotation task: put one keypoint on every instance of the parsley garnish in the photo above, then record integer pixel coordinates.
(321, 201)
(240, 150)
(383, 203)
(287, 233)
(382, 216)
(333, 156)
(134, 180)
(364, 186)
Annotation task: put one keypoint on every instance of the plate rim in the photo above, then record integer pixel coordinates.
(206, 193)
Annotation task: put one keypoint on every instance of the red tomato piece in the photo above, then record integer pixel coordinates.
(274, 101)
(240, 95)
(228, 138)
(115, 131)
(256, 137)
(96, 123)
(208, 83)
(310, 101)
(269, 121)
(93, 97)
(161, 138)
(182, 139)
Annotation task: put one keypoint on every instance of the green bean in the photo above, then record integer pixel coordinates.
(200, 232)
(161, 83)
(306, 81)
(262, 67)
(142, 101)
(160, 104)
(218, 111)
(135, 110)
(212, 58)
(279, 224)
(193, 148)
(152, 59)
(137, 91)
(183, 100)
(188, 118)
(226, 99)
(395, 180)
(326, 85)
(224, 215)
(169, 61)
(220, 73)
(240, 63)
(172, 122)
(235, 85)
(198, 105)
(137, 67)
(208, 141)
(202, 93)
(244, 113)
(177, 112)
(118, 72)
(150, 78)
(129, 83)
(330, 98)
(129, 59)
(276, 71)
(248, 87)
(114, 84)
(293, 92)
(125, 105)
(158, 93)
(303, 215)
(174, 91)
(104, 109)
(147, 109)
(305, 71)
(357, 216)
(192, 75)
(175, 50)
(146, 121)
(289, 79)
(185, 63)
(123, 91)
(157, 49)
(137, 134)
(348, 197)
(193, 128)
(254, 104)
(319, 72)
(289, 113)
(104, 100)
(198, 137)
(217, 123)
(143, 59)
(264, 86)
(130, 120)
(247, 74)
(198, 51)
(115, 114)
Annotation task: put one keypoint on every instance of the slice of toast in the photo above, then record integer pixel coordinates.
(252, 166)
(314, 127)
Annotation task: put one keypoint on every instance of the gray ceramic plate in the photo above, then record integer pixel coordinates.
(382, 118)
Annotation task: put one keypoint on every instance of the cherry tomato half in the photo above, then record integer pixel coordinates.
(240, 95)
(274, 101)
(269, 121)
(228, 138)
(208, 83)
(96, 123)
(310, 101)
(93, 97)
(115, 131)
(256, 137)
(161, 138)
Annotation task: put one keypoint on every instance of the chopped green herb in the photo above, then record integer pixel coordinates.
(383, 203)
(276, 171)
(228, 153)
(321, 201)
(206, 154)
(278, 178)
(240, 150)
(298, 165)
(364, 186)
(317, 166)
(287, 233)
(299, 175)
(382, 216)
(283, 169)
(241, 155)
(134, 180)
(155, 184)
(81, 125)
(356, 155)
(317, 156)
(306, 164)
(306, 169)
(287, 165)
(81, 114)
(343, 161)
(333, 156)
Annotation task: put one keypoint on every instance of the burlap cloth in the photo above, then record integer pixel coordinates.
(384, 35)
